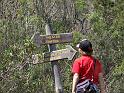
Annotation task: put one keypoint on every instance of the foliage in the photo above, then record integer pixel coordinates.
(117, 79)
(21, 19)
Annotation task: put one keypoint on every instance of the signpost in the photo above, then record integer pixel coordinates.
(53, 55)
(69, 53)
(58, 85)
(52, 38)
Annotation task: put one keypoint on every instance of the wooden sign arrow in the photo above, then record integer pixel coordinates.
(52, 39)
(69, 53)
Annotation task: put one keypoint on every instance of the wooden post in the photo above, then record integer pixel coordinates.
(58, 86)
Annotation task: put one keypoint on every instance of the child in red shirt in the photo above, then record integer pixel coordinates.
(85, 67)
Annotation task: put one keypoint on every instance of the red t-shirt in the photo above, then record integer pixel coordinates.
(84, 66)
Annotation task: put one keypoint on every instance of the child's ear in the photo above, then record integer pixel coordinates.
(80, 50)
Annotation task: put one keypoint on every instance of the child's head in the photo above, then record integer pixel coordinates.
(86, 46)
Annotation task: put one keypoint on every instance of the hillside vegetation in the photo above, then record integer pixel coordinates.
(101, 21)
